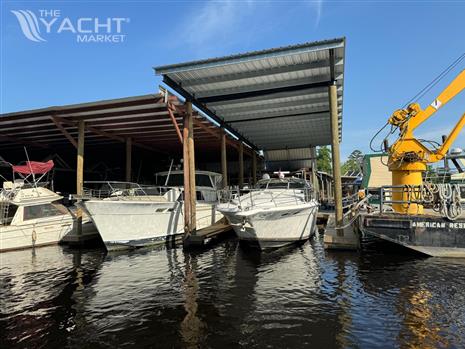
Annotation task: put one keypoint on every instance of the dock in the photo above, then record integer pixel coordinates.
(245, 114)
(202, 237)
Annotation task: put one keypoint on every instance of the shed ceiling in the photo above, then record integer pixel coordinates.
(271, 99)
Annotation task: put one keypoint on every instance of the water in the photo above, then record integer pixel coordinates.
(228, 297)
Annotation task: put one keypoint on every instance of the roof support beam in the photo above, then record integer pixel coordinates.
(265, 107)
(323, 91)
(280, 116)
(170, 109)
(17, 140)
(167, 80)
(109, 135)
(261, 92)
(64, 131)
(257, 73)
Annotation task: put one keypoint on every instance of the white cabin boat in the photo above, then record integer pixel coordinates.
(144, 216)
(277, 212)
(32, 216)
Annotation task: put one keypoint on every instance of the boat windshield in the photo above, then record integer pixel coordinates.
(286, 183)
(177, 180)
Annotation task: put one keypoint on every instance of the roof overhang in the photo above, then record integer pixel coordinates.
(271, 99)
(150, 121)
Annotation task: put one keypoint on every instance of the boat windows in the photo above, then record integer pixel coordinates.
(43, 210)
(281, 184)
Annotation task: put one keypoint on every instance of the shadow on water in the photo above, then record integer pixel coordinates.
(230, 296)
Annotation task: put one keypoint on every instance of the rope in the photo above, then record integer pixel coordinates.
(435, 81)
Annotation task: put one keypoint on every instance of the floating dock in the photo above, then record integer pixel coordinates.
(203, 236)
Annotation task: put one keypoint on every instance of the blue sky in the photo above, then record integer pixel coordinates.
(393, 50)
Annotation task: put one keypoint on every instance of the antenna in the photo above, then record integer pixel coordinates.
(30, 168)
(169, 173)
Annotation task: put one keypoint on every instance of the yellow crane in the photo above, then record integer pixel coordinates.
(408, 156)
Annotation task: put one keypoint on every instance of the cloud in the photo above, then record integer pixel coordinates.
(216, 24)
(317, 8)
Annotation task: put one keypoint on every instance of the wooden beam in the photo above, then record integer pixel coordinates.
(224, 163)
(254, 168)
(128, 158)
(80, 173)
(175, 123)
(314, 169)
(186, 171)
(192, 183)
(17, 140)
(336, 156)
(241, 165)
(64, 131)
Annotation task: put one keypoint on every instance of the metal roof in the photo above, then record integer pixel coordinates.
(271, 99)
(289, 159)
(145, 119)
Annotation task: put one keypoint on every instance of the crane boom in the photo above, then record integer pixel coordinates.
(408, 157)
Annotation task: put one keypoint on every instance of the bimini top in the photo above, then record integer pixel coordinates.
(271, 99)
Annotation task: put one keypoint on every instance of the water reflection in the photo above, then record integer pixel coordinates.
(230, 296)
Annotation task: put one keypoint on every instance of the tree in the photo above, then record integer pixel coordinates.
(353, 163)
(323, 159)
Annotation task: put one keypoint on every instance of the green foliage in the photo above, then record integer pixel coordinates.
(353, 163)
(323, 159)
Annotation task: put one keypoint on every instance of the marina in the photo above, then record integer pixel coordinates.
(217, 210)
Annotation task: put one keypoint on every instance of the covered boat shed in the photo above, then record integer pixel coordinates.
(275, 100)
(109, 130)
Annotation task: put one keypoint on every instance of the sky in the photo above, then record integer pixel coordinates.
(393, 49)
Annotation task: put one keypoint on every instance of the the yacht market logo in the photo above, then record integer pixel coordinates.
(40, 26)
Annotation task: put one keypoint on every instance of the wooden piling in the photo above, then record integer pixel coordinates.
(336, 157)
(186, 163)
(128, 158)
(224, 161)
(241, 165)
(192, 189)
(80, 174)
(254, 168)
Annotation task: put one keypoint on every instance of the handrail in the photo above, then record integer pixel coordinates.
(250, 198)
(127, 189)
(444, 198)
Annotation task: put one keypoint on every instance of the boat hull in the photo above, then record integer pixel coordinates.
(42, 232)
(124, 224)
(274, 228)
(428, 234)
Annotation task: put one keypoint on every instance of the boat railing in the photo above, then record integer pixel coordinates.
(253, 198)
(108, 189)
(446, 198)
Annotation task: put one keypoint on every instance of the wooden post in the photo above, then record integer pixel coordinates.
(241, 165)
(186, 164)
(224, 161)
(254, 168)
(314, 169)
(80, 173)
(336, 156)
(192, 189)
(128, 158)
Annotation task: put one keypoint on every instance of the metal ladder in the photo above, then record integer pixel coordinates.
(5, 207)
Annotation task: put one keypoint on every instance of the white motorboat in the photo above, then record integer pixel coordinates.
(31, 215)
(141, 216)
(277, 212)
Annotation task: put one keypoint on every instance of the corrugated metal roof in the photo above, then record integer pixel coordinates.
(271, 99)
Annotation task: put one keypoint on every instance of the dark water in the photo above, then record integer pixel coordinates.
(228, 297)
